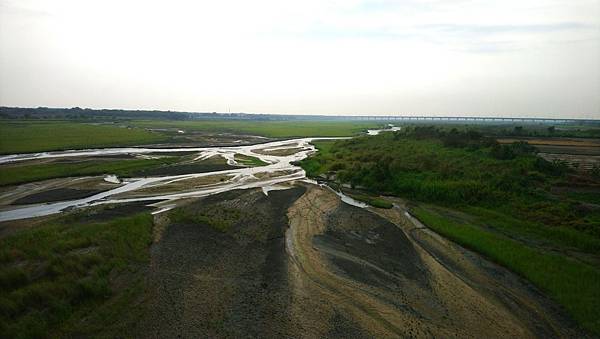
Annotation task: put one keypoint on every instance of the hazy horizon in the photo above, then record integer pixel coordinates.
(529, 58)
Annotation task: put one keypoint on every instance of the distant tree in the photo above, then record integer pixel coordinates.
(518, 130)
(595, 171)
(522, 147)
(502, 152)
(551, 129)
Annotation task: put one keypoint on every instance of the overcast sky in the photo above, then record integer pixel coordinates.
(442, 57)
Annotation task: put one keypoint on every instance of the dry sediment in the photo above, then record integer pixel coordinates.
(400, 279)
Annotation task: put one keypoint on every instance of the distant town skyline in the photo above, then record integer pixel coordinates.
(529, 58)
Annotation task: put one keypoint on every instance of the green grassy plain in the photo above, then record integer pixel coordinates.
(572, 283)
(272, 129)
(58, 278)
(249, 160)
(24, 136)
(35, 136)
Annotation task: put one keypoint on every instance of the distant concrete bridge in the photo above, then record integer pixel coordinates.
(473, 119)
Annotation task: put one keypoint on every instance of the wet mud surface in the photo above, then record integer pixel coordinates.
(186, 169)
(205, 282)
(57, 194)
(300, 263)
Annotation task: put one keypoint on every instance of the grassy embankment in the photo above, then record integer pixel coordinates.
(572, 283)
(73, 277)
(36, 136)
(498, 200)
(272, 129)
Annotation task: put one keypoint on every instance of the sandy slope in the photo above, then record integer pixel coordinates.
(399, 279)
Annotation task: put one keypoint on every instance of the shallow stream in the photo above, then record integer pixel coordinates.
(279, 170)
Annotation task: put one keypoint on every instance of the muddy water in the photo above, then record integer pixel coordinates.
(279, 170)
(391, 128)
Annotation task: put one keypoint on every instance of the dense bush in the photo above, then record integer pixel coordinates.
(54, 275)
(451, 167)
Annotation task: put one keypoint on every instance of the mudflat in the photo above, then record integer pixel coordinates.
(209, 282)
(301, 263)
(57, 194)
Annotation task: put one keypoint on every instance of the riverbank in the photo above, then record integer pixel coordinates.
(295, 262)
(501, 200)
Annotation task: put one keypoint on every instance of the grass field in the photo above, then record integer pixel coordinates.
(23, 136)
(59, 278)
(18, 174)
(36, 136)
(249, 160)
(273, 129)
(562, 238)
(572, 283)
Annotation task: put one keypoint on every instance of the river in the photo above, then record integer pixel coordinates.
(278, 171)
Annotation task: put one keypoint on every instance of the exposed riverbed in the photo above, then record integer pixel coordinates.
(163, 190)
(281, 262)
(160, 191)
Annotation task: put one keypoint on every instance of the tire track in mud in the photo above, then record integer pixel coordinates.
(345, 264)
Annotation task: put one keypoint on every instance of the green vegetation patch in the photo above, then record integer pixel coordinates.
(273, 129)
(565, 238)
(589, 197)
(572, 283)
(35, 136)
(218, 217)
(453, 168)
(25, 172)
(316, 165)
(250, 161)
(58, 278)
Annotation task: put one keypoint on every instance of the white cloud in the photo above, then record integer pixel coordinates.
(530, 57)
